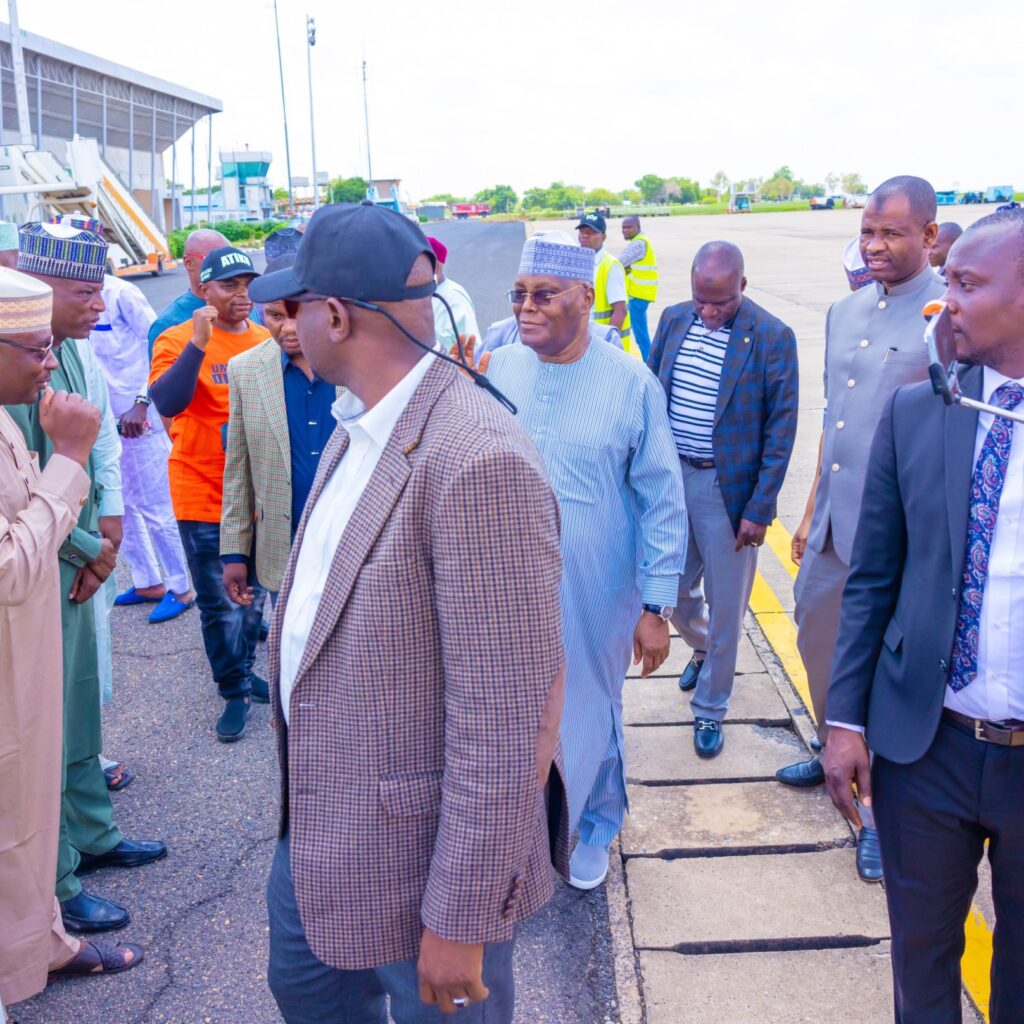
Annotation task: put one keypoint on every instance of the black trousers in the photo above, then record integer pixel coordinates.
(933, 819)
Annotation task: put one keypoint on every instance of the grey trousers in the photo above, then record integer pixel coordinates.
(308, 991)
(819, 593)
(714, 591)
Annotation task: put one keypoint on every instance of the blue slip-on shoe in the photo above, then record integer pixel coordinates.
(169, 608)
(132, 596)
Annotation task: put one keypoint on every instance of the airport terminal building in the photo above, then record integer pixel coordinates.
(134, 117)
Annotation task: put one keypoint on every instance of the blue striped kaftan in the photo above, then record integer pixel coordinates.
(601, 425)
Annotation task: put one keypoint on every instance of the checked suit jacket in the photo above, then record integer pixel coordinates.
(410, 779)
(756, 411)
(258, 464)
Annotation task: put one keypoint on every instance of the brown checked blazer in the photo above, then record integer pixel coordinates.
(409, 769)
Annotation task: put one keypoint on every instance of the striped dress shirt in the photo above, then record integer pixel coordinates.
(695, 379)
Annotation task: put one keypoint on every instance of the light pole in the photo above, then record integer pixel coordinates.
(366, 117)
(311, 39)
(284, 114)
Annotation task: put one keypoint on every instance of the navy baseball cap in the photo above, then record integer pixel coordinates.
(594, 221)
(351, 251)
(226, 262)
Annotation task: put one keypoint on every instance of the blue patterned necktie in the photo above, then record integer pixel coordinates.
(986, 490)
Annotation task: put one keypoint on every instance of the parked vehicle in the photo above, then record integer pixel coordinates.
(463, 211)
(855, 202)
(999, 194)
(823, 203)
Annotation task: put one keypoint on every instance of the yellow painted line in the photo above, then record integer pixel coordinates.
(779, 540)
(976, 963)
(780, 631)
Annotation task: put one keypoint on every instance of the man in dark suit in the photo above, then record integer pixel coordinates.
(729, 369)
(414, 752)
(929, 664)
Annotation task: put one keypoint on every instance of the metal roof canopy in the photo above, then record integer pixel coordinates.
(82, 94)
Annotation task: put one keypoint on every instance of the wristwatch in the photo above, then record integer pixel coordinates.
(664, 612)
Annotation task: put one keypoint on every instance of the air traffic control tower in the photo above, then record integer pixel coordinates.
(134, 117)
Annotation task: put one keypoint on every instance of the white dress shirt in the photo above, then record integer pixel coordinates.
(997, 692)
(465, 315)
(369, 431)
(121, 343)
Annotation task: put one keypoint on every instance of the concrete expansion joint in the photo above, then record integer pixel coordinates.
(793, 945)
(730, 781)
(762, 723)
(701, 853)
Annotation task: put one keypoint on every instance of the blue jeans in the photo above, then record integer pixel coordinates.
(230, 631)
(308, 991)
(638, 321)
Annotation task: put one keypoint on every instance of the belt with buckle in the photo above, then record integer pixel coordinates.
(1006, 734)
(698, 463)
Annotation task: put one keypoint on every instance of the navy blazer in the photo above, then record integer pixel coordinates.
(755, 418)
(902, 597)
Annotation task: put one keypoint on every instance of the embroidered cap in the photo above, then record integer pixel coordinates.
(26, 304)
(280, 242)
(853, 263)
(79, 221)
(557, 254)
(8, 236)
(59, 250)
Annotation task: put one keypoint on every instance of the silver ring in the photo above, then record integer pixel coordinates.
(462, 1002)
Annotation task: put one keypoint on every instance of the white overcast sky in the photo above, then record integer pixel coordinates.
(470, 93)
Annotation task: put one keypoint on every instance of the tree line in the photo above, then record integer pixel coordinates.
(782, 184)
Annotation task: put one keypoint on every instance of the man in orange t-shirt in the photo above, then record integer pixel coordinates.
(189, 384)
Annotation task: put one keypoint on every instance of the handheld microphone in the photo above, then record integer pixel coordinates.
(478, 378)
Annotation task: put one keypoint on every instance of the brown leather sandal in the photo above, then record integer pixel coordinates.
(98, 956)
(117, 777)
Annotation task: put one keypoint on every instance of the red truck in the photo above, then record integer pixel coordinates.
(463, 211)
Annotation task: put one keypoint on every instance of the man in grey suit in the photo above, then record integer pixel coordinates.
(873, 344)
(929, 664)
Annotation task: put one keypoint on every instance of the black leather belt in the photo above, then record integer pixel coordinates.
(698, 463)
(1006, 734)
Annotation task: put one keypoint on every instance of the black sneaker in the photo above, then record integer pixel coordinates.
(231, 724)
(260, 691)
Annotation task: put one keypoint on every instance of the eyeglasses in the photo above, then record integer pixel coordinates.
(41, 354)
(517, 296)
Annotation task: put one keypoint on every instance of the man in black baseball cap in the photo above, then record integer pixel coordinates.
(609, 280)
(593, 222)
(376, 681)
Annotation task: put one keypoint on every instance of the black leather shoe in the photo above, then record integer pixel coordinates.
(231, 724)
(803, 774)
(129, 853)
(708, 738)
(688, 680)
(88, 913)
(260, 691)
(869, 856)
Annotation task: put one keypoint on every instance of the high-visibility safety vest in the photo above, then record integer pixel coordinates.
(603, 308)
(642, 279)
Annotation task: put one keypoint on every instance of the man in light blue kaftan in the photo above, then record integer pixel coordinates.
(598, 418)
